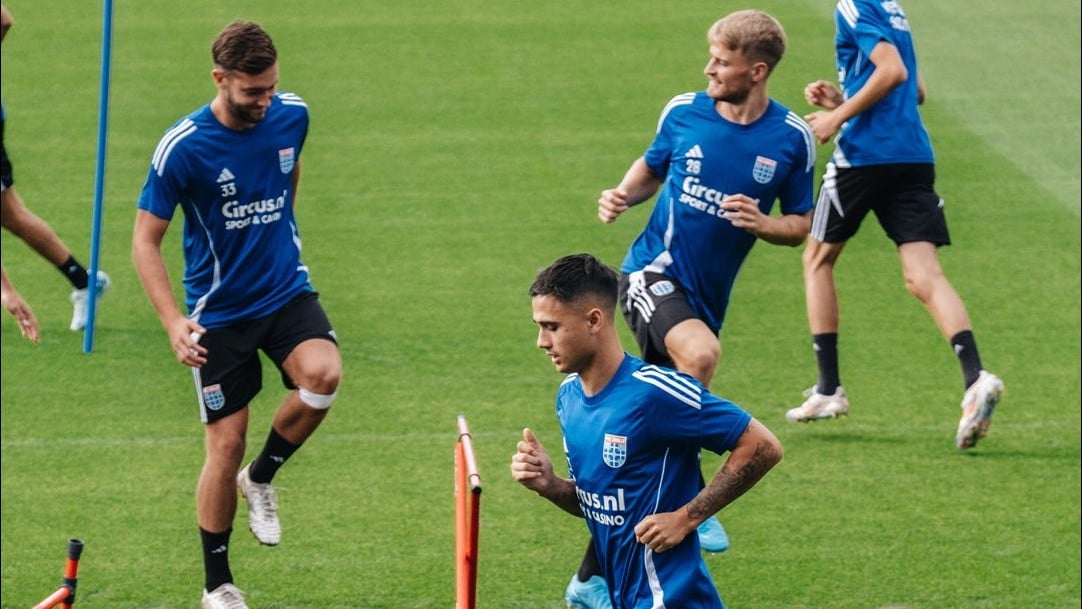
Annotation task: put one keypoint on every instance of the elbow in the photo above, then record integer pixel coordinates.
(768, 453)
(772, 453)
(798, 233)
(898, 75)
(901, 76)
(137, 251)
(798, 240)
(890, 73)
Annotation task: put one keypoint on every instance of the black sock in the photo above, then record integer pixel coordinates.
(826, 355)
(965, 347)
(590, 565)
(216, 558)
(275, 453)
(75, 272)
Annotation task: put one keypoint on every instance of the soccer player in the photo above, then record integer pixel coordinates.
(233, 166)
(17, 218)
(721, 158)
(632, 433)
(882, 163)
(18, 308)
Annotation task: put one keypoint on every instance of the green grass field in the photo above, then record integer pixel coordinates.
(457, 147)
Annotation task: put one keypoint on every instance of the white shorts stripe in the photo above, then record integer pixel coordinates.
(828, 198)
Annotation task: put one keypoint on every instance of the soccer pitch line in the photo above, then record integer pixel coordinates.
(998, 82)
(505, 439)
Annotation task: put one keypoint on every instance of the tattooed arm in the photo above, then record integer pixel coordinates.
(755, 453)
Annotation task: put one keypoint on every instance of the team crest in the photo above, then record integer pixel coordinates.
(662, 288)
(286, 159)
(614, 453)
(213, 398)
(764, 169)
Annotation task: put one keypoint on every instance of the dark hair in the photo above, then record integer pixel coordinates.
(243, 46)
(577, 277)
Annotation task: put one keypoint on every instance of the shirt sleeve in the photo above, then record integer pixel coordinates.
(871, 27)
(708, 422)
(659, 154)
(722, 423)
(162, 192)
(795, 194)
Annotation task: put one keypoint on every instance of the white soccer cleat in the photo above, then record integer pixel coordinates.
(262, 508)
(978, 404)
(225, 596)
(818, 406)
(80, 299)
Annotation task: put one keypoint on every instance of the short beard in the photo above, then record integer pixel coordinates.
(734, 98)
(243, 114)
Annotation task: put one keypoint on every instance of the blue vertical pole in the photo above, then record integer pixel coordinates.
(99, 177)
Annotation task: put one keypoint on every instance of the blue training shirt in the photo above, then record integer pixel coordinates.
(704, 158)
(891, 131)
(633, 450)
(241, 244)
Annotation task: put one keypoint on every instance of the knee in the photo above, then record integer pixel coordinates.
(12, 209)
(922, 285)
(699, 360)
(226, 448)
(316, 401)
(819, 257)
(320, 386)
(324, 380)
(10, 221)
(318, 375)
(706, 357)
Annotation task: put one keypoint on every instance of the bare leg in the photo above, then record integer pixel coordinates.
(216, 493)
(26, 225)
(694, 349)
(925, 279)
(316, 366)
(827, 400)
(821, 296)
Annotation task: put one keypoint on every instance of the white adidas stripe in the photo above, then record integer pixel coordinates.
(182, 130)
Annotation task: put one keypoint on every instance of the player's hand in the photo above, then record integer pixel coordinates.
(24, 316)
(823, 94)
(611, 204)
(743, 212)
(184, 337)
(663, 531)
(530, 465)
(823, 125)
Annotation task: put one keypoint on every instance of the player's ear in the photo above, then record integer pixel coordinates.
(760, 71)
(595, 317)
(218, 75)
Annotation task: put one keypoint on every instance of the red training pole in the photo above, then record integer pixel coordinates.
(65, 595)
(467, 518)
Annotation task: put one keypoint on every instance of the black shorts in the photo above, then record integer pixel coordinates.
(902, 196)
(7, 177)
(233, 374)
(652, 311)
